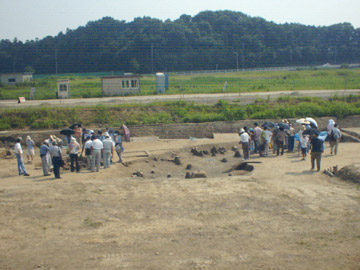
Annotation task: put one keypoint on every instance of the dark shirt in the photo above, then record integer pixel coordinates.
(316, 145)
(280, 136)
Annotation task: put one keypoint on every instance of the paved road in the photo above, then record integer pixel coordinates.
(242, 98)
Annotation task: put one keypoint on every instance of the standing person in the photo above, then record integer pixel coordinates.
(19, 157)
(74, 148)
(334, 139)
(257, 133)
(30, 152)
(96, 150)
(316, 151)
(330, 126)
(118, 146)
(273, 138)
(291, 139)
(108, 150)
(87, 147)
(78, 131)
(44, 150)
(56, 155)
(304, 141)
(245, 141)
(126, 132)
(267, 136)
(280, 141)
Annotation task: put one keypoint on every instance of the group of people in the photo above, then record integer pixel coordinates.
(258, 140)
(99, 148)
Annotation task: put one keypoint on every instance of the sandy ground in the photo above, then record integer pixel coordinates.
(280, 216)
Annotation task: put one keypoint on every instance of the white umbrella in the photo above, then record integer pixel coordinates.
(312, 120)
(303, 121)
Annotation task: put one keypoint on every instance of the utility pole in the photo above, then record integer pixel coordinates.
(237, 60)
(56, 64)
(243, 57)
(152, 57)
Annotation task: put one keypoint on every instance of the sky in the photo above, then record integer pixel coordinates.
(31, 19)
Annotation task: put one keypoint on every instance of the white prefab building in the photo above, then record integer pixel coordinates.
(14, 78)
(63, 89)
(120, 85)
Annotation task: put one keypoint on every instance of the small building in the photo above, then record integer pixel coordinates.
(160, 83)
(63, 89)
(120, 85)
(16, 77)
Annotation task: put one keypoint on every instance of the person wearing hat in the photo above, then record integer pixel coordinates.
(44, 150)
(245, 142)
(96, 150)
(30, 152)
(317, 148)
(19, 157)
(108, 150)
(56, 156)
(74, 147)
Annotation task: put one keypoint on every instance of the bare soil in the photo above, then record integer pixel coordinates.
(281, 215)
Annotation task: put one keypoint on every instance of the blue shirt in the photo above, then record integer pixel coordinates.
(44, 149)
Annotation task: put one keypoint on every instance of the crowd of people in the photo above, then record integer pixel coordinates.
(101, 147)
(98, 148)
(282, 136)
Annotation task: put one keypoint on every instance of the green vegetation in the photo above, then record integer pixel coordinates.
(239, 82)
(177, 112)
(206, 41)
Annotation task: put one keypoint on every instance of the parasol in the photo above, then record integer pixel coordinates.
(67, 131)
(268, 124)
(312, 121)
(311, 131)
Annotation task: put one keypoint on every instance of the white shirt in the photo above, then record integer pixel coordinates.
(304, 141)
(88, 144)
(97, 144)
(244, 137)
(108, 144)
(18, 149)
(268, 135)
(74, 147)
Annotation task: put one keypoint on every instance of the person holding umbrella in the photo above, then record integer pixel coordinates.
(67, 132)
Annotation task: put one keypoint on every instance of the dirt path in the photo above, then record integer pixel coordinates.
(280, 216)
(242, 98)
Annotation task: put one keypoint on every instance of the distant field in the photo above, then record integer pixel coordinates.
(85, 87)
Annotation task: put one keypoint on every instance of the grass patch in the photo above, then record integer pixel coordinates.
(90, 223)
(176, 112)
(238, 82)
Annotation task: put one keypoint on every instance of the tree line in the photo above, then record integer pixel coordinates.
(209, 40)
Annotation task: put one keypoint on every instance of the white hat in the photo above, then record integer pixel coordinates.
(73, 139)
(106, 134)
(242, 130)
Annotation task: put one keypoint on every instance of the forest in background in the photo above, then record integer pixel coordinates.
(207, 41)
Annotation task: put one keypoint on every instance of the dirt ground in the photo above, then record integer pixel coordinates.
(282, 215)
